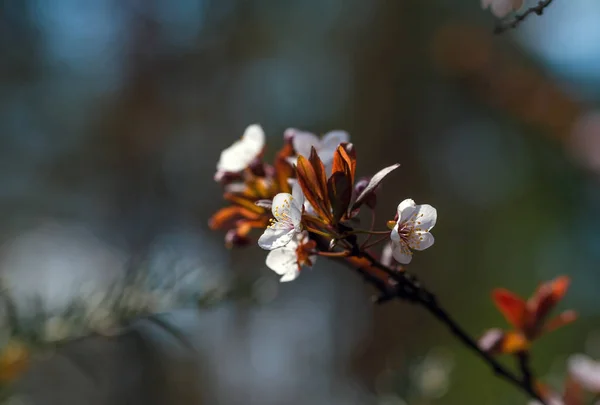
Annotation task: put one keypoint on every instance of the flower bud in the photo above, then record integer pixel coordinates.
(491, 341)
(371, 199)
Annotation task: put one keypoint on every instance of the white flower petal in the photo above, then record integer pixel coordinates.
(239, 155)
(268, 204)
(297, 194)
(401, 252)
(425, 217)
(395, 235)
(275, 236)
(290, 276)
(486, 3)
(284, 262)
(332, 139)
(282, 206)
(421, 240)
(585, 371)
(254, 137)
(386, 254)
(304, 141)
(239, 187)
(406, 209)
(501, 8)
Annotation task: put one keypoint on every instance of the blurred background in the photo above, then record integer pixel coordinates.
(112, 117)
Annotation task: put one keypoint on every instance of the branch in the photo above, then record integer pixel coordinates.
(402, 285)
(517, 19)
(525, 367)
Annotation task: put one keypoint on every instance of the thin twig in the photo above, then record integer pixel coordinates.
(517, 19)
(525, 367)
(407, 287)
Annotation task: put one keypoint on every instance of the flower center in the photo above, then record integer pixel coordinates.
(412, 228)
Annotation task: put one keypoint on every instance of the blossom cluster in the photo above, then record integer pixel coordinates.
(308, 202)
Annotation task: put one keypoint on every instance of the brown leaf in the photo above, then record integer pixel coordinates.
(307, 178)
(511, 306)
(320, 174)
(340, 194)
(283, 168)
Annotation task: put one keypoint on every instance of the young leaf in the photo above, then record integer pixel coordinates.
(340, 193)
(308, 180)
(511, 306)
(373, 183)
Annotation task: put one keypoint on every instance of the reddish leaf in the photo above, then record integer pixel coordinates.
(348, 154)
(511, 306)
(307, 179)
(547, 296)
(320, 175)
(340, 163)
(340, 193)
(561, 320)
(226, 217)
(283, 169)
(244, 202)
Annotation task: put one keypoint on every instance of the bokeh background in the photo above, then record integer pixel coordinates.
(112, 117)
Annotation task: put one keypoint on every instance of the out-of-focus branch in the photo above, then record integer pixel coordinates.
(517, 19)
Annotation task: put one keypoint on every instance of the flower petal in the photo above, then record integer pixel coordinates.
(421, 240)
(239, 155)
(284, 262)
(585, 371)
(401, 252)
(297, 194)
(267, 204)
(425, 217)
(304, 141)
(282, 206)
(395, 235)
(332, 139)
(386, 254)
(406, 209)
(275, 237)
(501, 8)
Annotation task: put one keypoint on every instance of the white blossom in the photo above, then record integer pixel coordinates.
(239, 155)
(325, 147)
(288, 260)
(411, 231)
(287, 210)
(501, 8)
(585, 371)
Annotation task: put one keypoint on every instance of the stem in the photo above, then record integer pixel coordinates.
(406, 287)
(538, 9)
(334, 254)
(357, 231)
(525, 367)
(318, 232)
(369, 245)
(371, 227)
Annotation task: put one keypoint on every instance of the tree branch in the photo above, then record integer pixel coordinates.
(517, 19)
(403, 286)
